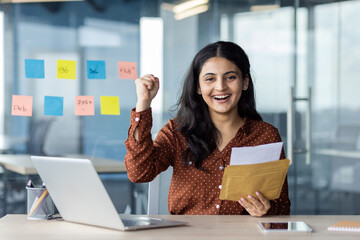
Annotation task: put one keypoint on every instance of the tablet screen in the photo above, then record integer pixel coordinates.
(288, 226)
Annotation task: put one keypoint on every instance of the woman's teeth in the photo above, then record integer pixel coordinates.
(221, 97)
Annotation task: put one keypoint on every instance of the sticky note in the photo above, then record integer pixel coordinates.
(22, 105)
(34, 68)
(84, 105)
(127, 70)
(66, 69)
(109, 105)
(96, 69)
(53, 105)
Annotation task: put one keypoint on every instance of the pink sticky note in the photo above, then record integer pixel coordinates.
(22, 105)
(127, 70)
(84, 105)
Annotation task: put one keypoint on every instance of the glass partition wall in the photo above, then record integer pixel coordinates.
(78, 31)
(303, 56)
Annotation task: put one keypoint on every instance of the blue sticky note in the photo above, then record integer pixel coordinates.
(53, 105)
(96, 69)
(34, 68)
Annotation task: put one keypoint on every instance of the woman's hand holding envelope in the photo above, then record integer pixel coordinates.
(257, 207)
(265, 179)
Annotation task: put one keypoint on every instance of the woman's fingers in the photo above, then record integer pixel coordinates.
(146, 89)
(256, 207)
(149, 84)
(265, 202)
(149, 81)
(246, 204)
(156, 82)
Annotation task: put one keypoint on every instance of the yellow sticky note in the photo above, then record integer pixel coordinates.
(109, 105)
(66, 69)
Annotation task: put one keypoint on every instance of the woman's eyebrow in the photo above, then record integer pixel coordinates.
(206, 74)
(231, 72)
(212, 74)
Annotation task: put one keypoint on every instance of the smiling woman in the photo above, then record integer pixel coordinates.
(221, 85)
(216, 113)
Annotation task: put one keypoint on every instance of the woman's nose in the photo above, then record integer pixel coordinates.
(220, 84)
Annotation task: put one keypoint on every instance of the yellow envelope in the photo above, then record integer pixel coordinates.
(243, 180)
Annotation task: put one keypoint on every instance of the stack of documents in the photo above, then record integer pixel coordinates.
(254, 169)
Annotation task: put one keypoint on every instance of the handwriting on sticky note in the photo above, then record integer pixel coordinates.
(84, 105)
(22, 105)
(127, 70)
(109, 105)
(66, 69)
(96, 69)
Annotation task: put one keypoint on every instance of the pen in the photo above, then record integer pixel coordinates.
(43, 206)
(38, 202)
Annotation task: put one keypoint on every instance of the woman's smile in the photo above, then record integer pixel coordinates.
(221, 98)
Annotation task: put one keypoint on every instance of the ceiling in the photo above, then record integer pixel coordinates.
(237, 6)
(249, 3)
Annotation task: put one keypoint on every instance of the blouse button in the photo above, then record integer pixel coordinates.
(137, 119)
(221, 167)
(218, 206)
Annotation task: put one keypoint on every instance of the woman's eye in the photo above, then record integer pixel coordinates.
(209, 79)
(231, 77)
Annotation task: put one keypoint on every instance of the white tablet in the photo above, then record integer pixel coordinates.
(284, 226)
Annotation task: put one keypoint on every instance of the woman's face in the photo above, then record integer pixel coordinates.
(221, 85)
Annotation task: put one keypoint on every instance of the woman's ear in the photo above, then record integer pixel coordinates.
(246, 83)
(199, 91)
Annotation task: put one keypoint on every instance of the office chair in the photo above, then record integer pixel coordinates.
(37, 136)
(14, 201)
(158, 193)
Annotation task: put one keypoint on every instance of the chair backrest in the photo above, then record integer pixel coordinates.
(37, 136)
(347, 136)
(158, 193)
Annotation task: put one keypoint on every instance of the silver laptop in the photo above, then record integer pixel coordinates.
(80, 196)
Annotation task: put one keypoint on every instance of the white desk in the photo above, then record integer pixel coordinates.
(22, 164)
(199, 228)
(7, 142)
(338, 153)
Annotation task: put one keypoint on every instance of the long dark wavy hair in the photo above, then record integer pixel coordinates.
(193, 115)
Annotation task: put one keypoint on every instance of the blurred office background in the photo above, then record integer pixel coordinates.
(304, 56)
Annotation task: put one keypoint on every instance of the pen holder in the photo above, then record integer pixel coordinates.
(39, 203)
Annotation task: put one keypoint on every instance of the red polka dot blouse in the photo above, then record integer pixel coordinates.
(193, 191)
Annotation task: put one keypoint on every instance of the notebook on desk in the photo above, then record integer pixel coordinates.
(347, 226)
(80, 196)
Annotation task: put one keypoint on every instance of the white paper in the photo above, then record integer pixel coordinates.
(256, 154)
